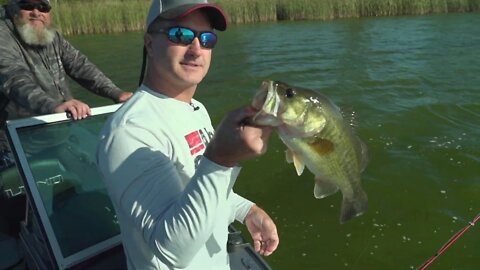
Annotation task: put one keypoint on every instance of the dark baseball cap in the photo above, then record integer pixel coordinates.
(176, 9)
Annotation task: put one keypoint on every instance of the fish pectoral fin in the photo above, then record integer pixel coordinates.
(297, 161)
(299, 164)
(354, 206)
(324, 188)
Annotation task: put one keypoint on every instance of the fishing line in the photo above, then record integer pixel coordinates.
(449, 243)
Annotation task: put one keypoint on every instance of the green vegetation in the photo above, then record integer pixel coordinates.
(241, 11)
(91, 16)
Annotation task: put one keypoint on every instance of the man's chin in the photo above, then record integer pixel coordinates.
(36, 34)
(37, 24)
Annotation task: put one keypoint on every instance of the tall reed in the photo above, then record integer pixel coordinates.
(242, 11)
(92, 16)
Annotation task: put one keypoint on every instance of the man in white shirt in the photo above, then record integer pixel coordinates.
(169, 176)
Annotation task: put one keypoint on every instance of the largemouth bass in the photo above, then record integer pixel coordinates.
(318, 137)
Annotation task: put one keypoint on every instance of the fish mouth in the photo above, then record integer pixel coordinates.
(261, 96)
(267, 102)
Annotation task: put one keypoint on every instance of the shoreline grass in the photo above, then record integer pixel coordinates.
(87, 16)
(251, 11)
(90, 16)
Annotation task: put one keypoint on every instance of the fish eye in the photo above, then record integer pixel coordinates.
(289, 93)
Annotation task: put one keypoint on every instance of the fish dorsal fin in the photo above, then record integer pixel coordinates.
(297, 161)
(324, 188)
(362, 155)
(322, 146)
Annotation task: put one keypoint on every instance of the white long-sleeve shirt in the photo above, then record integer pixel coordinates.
(174, 206)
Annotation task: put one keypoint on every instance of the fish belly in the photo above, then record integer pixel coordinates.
(334, 170)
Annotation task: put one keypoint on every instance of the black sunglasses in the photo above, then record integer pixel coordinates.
(185, 36)
(42, 7)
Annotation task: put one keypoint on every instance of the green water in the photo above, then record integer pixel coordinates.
(414, 83)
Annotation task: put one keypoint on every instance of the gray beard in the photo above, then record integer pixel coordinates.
(32, 36)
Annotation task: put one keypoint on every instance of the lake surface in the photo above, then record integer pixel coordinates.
(414, 84)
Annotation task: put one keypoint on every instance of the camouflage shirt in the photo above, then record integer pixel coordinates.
(33, 78)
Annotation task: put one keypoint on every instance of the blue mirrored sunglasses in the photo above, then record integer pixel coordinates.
(185, 36)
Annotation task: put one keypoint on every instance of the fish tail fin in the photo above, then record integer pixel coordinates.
(354, 206)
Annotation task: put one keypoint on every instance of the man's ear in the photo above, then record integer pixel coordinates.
(147, 41)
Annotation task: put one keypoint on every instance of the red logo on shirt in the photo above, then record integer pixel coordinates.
(195, 142)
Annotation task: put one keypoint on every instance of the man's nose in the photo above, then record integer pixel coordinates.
(195, 47)
(35, 12)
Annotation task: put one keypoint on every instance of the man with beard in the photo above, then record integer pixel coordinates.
(34, 62)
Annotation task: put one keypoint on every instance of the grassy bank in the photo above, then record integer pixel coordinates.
(91, 16)
(242, 11)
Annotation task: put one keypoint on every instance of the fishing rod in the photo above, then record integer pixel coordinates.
(449, 243)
